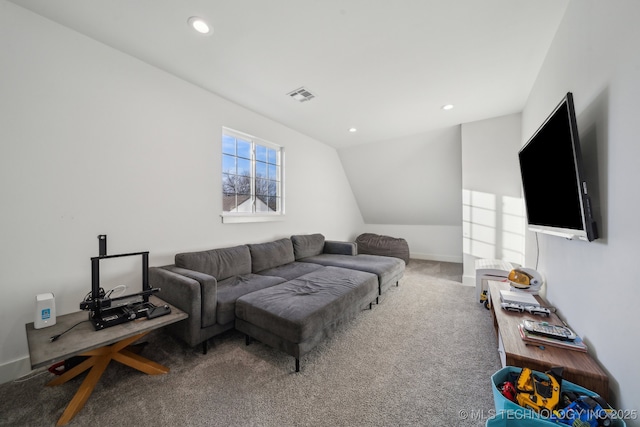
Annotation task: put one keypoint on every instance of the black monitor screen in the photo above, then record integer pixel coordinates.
(550, 176)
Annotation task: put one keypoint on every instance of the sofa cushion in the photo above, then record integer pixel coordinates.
(388, 269)
(271, 254)
(315, 303)
(339, 248)
(292, 270)
(307, 245)
(219, 263)
(230, 289)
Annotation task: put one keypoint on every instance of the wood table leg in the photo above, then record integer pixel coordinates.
(140, 363)
(98, 361)
(85, 390)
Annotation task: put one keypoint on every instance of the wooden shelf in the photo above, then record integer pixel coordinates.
(579, 368)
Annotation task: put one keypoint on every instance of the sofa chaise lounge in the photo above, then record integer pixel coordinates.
(290, 293)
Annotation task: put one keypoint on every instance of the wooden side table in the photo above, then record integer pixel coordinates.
(579, 368)
(100, 347)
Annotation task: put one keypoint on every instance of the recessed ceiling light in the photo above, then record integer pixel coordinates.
(199, 25)
(447, 107)
(353, 130)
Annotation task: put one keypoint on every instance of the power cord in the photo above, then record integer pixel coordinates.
(122, 289)
(537, 251)
(102, 294)
(32, 376)
(55, 337)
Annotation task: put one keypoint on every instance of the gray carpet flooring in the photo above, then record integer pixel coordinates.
(423, 356)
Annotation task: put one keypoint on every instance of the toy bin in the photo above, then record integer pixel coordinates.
(516, 419)
(516, 414)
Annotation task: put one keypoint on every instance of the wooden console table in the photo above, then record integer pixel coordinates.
(579, 368)
(100, 346)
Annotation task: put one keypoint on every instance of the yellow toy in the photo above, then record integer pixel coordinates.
(484, 298)
(520, 278)
(538, 393)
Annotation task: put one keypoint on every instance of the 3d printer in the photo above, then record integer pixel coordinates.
(106, 311)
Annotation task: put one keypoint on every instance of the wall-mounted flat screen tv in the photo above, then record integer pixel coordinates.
(555, 192)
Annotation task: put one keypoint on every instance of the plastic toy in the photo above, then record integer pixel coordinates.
(485, 298)
(538, 393)
(508, 390)
(525, 279)
(583, 410)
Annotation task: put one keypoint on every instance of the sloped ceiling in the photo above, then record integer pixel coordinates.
(383, 67)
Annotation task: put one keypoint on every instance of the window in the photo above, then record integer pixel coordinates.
(251, 178)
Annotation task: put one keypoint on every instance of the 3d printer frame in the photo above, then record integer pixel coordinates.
(104, 313)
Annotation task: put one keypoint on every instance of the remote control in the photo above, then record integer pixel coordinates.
(538, 311)
(553, 331)
(158, 311)
(511, 306)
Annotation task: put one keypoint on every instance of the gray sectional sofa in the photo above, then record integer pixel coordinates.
(290, 293)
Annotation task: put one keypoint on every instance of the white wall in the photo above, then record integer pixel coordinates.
(493, 216)
(430, 242)
(97, 142)
(595, 55)
(411, 188)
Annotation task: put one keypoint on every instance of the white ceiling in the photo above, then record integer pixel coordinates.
(384, 67)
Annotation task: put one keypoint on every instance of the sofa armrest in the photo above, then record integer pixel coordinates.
(190, 291)
(340, 248)
(208, 293)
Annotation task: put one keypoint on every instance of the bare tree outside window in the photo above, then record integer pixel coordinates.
(251, 174)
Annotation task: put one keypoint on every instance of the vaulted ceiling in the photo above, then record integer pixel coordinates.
(385, 68)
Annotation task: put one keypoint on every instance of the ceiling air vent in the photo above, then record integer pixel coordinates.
(301, 95)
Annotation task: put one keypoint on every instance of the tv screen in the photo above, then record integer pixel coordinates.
(555, 193)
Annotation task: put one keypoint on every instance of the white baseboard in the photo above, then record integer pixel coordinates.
(469, 280)
(15, 369)
(436, 257)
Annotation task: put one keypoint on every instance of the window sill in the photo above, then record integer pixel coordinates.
(239, 218)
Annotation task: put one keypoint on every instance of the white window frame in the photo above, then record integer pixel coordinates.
(243, 217)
